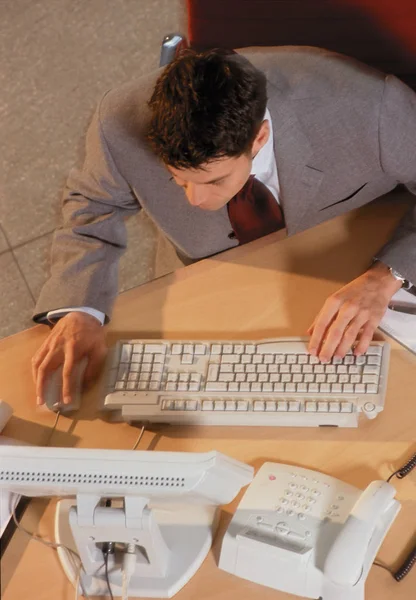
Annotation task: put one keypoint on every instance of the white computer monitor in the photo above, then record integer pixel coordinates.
(164, 507)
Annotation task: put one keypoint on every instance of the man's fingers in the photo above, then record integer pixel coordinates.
(365, 339)
(38, 359)
(336, 332)
(322, 321)
(51, 362)
(67, 374)
(350, 335)
(95, 362)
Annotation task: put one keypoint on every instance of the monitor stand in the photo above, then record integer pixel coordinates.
(171, 542)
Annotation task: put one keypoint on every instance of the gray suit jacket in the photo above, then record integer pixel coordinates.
(344, 134)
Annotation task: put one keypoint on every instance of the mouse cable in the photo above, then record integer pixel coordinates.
(52, 431)
(55, 546)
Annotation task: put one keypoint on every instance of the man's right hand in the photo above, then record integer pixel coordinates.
(76, 335)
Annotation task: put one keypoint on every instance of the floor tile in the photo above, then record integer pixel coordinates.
(56, 61)
(3, 242)
(16, 304)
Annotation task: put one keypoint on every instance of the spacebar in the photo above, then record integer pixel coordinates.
(216, 386)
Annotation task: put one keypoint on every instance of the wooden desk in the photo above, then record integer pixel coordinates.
(262, 290)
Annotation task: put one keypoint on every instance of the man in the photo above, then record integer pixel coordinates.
(322, 134)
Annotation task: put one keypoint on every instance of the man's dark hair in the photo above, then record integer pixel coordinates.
(205, 106)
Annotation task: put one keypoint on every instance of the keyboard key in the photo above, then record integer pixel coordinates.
(213, 371)
(334, 407)
(207, 405)
(278, 387)
(371, 389)
(371, 370)
(268, 359)
(296, 369)
(255, 387)
(294, 405)
(359, 388)
(194, 386)
(136, 358)
(242, 405)
(330, 369)
(227, 368)
(281, 406)
(270, 405)
(246, 358)
(219, 405)
(325, 388)
(240, 377)
(349, 360)
(191, 405)
(319, 369)
(313, 388)
(188, 349)
(158, 359)
(302, 359)
(238, 349)
(302, 388)
(286, 378)
(291, 359)
(322, 406)
(263, 377)
(245, 387)
(348, 388)
(320, 378)
(250, 348)
(257, 359)
(182, 387)
(309, 378)
(183, 377)
(374, 350)
(138, 348)
(226, 377)
(250, 368)
(370, 379)
(230, 358)
(252, 377)
(200, 349)
(147, 358)
(355, 378)
(154, 386)
(172, 377)
(346, 407)
(155, 348)
(279, 359)
(177, 349)
(187, 359)
(337, 361)
(119, 385)
(171, 386)
(290, 387)
(239, 368)
(272, 369)
(336, 388)
(261, 369)
(168, 405)
(284, 369)
(216, 386)
(258, 405)
(230, 405)
(267, 387)
(126, 351)
(307, 369)
(313, 360)
(374, 360)
(310, 406)
(227, 349)
(179, 404)
(215, 349)
(233, 387)
(360, 360)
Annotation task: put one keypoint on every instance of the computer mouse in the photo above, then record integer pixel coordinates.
(53, 388)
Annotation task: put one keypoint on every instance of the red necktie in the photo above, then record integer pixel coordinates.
(254, 212)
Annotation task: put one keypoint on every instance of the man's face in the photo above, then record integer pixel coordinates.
(211, 187)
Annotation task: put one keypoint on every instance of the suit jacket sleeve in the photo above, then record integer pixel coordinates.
(397, 138)
(87, 246)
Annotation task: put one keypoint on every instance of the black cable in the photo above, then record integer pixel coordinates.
(106, 575)
(405, 470)
(406, 566)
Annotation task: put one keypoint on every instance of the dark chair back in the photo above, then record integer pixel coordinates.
(381, 33)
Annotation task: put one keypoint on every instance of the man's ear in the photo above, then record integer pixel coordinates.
(261, 138)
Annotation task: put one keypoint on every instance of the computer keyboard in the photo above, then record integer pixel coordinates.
(263, 382)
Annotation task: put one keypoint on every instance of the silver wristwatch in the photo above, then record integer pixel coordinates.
(405, 283)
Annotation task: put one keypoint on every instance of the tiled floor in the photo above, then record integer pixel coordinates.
(56, 60)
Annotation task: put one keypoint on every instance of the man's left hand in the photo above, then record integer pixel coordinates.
(352, 314)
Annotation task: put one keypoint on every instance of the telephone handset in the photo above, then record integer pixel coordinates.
(306, 533)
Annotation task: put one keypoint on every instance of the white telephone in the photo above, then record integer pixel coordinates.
(308, 534)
